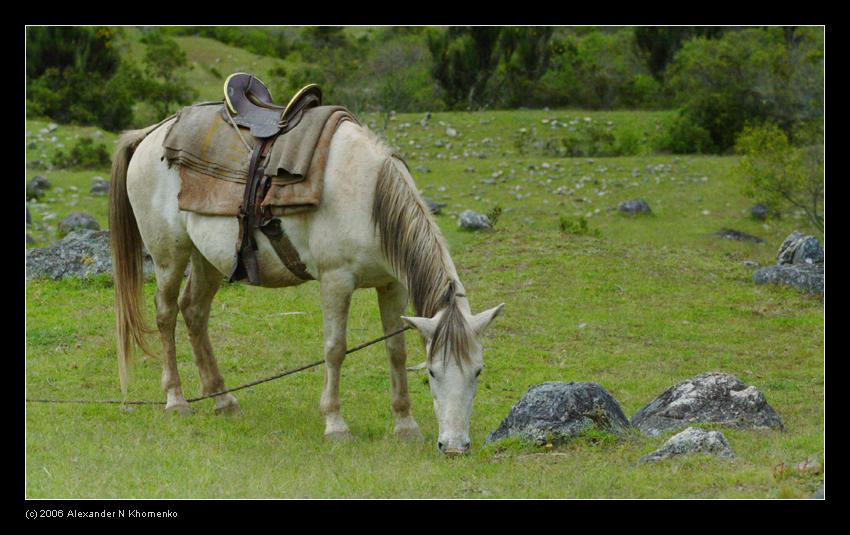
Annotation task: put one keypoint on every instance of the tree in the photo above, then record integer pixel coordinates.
(781, 175)
(659, 44)
(165, 86)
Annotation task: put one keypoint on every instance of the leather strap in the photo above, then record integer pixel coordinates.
(284, 249)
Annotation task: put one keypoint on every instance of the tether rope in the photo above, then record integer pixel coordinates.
(226, 390)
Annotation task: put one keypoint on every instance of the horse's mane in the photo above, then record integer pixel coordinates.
(414, 246)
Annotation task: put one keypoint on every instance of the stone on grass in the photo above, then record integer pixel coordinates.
(99, 186)
(77, 221)
(634, 207)
(37, 186)
(809, 278)
(711, 397)
(470, 220)
(800, 249)
(557, 412)
(81, 253)
(737, 235)
(759, 211)
(692, 440)
(435, 207)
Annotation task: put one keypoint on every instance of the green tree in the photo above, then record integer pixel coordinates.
(165, 87)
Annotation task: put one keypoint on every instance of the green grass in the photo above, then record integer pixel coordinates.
(636, 305)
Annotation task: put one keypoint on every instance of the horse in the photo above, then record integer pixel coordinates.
(372, 229)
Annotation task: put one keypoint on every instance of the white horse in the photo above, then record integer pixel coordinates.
(371, 230)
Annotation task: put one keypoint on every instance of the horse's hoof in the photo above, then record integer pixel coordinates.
(409, 434)
(339, 436)
(231, 409)
(183, 409)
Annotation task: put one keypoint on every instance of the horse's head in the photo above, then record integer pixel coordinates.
(455, 360)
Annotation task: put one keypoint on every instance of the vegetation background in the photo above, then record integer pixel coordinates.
(550, 128)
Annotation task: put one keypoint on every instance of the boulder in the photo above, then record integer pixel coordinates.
(77, 221)
(37, 186)
(99, 186)
(470, 220)
(634, 207)
(559, 411)
(692, 440)
(711, 397)
(809, 278)
(81, 253)
(737, 235)
(799, 248)
(759, 211)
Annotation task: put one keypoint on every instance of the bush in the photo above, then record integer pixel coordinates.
(85, 154)
(576, 226)
(782, 176)
(682, 135)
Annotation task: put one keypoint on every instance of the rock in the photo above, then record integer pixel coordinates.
(470, 220)
(809, 278)
(422, 169)
(81, 253)
(29, 239)
(737, 235)
(52, 126)
(451, 132)
(692, 440)
(800, 249)
(77, 221)
(37, 186)
(435, 207)
(99, 186)
(559, 411)
(32, 145)
(759, 211)
(634, 207)
(711, 397)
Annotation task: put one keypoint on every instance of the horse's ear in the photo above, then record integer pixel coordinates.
(481, 320)
(426, 326)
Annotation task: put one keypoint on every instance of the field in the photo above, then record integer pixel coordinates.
(636, 304)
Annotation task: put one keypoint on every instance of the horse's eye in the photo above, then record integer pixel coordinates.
(432, 373)
(477, 373)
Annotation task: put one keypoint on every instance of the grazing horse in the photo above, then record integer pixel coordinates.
(371, 230)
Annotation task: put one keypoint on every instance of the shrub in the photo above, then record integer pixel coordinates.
(576, 226)
(682, 135)
(780, 175)
(493, 215)
(85, 154)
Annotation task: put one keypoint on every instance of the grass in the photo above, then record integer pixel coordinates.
(635, 304)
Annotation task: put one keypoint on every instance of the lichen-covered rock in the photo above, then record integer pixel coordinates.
(99, 186)
(692, 440)
(37, 186)
(808, 277)
(435, 207)
(799, 249)
(77, 221)
(559, 411)
(711, 397)
(470, 220)
(79, 254)
(759, 211)
(634, 207)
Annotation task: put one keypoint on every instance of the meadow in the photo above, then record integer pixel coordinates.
(635, 304)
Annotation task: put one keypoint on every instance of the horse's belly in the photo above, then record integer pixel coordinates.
(215, 238)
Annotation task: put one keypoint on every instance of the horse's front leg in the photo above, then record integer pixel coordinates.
(392, 300)
(337, 288)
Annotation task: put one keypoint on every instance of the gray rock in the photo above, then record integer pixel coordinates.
(807, 277)
(711, 397)
(422, 169)
(435, 207)
(634, 207)
(759, 211)
(559, 411)
(99, 186)
(692, 440)
(32, 145)
(37, 186)
(77, 221)
(81, 253)
(451, 132)
(737, 235)
(470, 220)
(799, 248)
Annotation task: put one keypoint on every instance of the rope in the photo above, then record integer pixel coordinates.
(226, 390)
(247, 146)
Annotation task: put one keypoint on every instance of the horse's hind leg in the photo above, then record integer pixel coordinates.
(392, 300)
(169, 275)
(195, 304)
(337, 288)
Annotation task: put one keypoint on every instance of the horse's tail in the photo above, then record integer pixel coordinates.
(127, 257)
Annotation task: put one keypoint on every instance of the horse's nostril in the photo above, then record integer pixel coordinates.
(440, 445)
(465, 446)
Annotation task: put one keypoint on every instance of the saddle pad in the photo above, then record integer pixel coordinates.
(214, 162)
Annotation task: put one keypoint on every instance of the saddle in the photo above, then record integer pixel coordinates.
(249, 104)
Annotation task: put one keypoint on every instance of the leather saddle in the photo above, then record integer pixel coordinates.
(249, 104)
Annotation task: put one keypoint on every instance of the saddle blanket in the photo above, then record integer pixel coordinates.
(214, 161)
